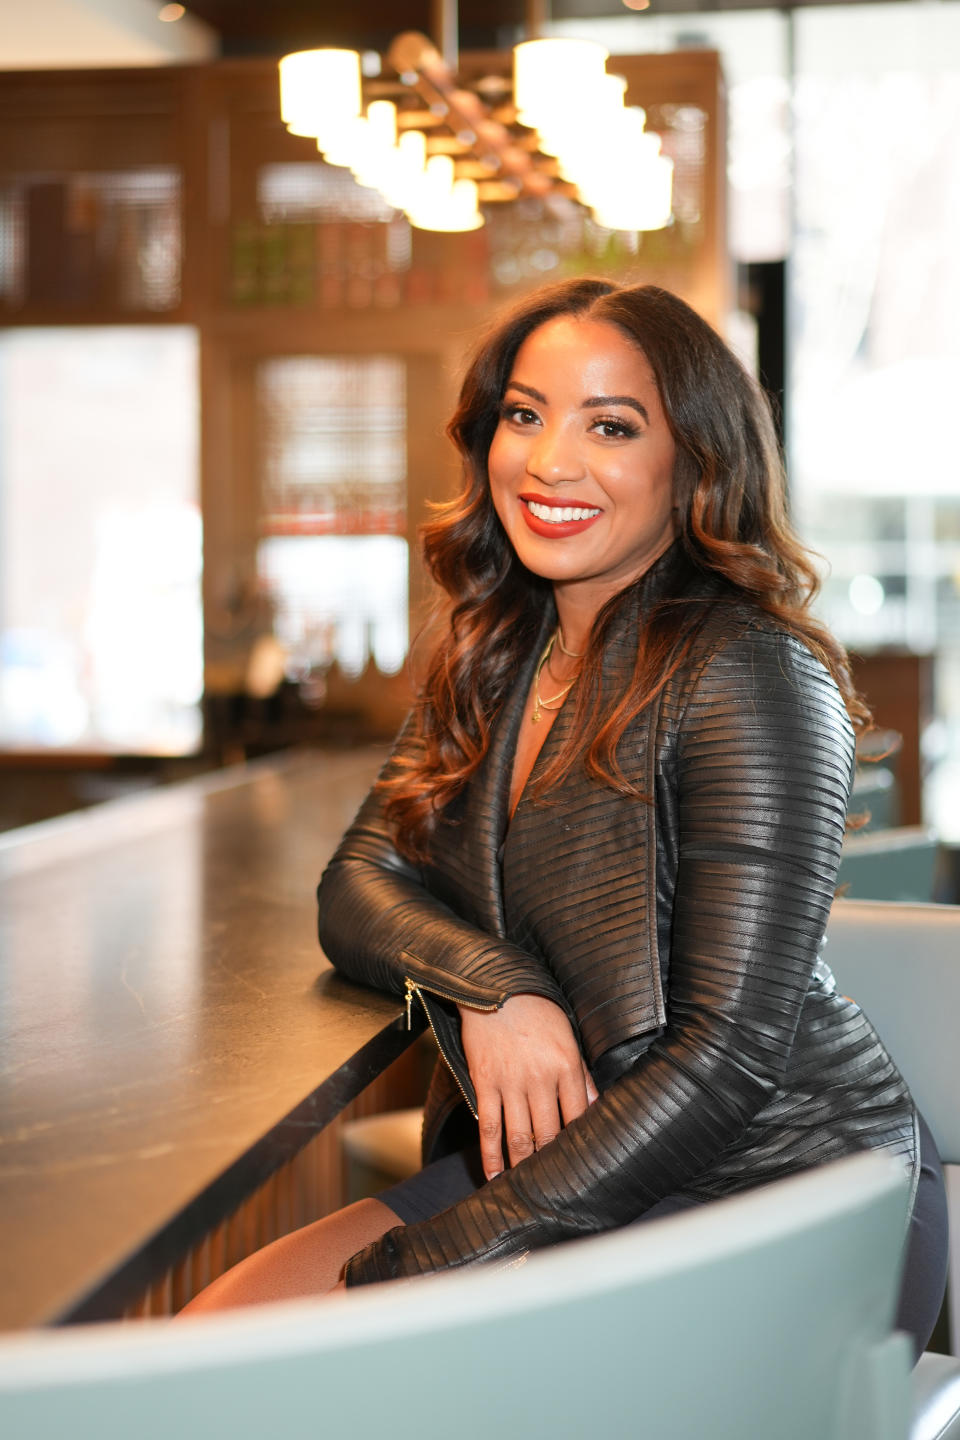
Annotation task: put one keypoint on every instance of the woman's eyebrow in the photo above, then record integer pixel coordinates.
(527, 390)
(597, 401)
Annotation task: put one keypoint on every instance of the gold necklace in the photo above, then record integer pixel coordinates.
(552, 702)
(574, 654)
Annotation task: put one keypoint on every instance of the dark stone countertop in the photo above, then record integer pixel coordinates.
(169, 1028)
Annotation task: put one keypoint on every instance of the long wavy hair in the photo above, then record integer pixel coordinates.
(733, 527)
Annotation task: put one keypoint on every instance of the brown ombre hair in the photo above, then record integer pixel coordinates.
(732, 523)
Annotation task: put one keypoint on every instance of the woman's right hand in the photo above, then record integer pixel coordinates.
(528, 1073)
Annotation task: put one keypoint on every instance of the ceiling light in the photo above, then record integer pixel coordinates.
(436, 149)
(319, 91)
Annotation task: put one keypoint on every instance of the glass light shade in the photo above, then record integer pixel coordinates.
(437, 184)
(443, 203)
(644, 204)
(412, 146)
(319, 91)
(346, 144)
(457, 213)
(589, 123)
(382, 119)
(406, 169)
(374, 145)
(606, 158)
(551, 75)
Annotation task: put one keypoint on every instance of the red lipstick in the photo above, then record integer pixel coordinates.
(556, 530)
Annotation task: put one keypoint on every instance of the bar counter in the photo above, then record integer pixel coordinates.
(170, 1031)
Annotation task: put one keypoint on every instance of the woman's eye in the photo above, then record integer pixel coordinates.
(614, 429)
(520, 414)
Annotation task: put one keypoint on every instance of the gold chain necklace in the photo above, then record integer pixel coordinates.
(551, 702)
(574, 654)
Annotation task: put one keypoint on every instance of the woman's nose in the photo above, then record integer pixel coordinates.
(555, 456)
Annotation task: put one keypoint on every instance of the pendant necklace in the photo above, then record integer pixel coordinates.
(550, 702)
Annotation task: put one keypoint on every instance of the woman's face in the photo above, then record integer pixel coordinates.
(581, 463)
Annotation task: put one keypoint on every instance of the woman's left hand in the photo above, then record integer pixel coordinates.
(528, 1073)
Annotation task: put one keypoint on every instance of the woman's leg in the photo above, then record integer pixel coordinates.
(307, 1262)
(310, 1261)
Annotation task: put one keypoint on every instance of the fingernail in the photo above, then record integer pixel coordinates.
(492, 1174)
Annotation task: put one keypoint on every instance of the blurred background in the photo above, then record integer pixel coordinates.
(226, 365)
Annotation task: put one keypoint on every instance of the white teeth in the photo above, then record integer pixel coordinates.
(559, 515)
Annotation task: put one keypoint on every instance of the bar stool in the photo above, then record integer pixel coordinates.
(901, 963)
(767, 1314)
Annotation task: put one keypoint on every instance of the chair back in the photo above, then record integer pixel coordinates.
(876, 794)
(764, 1315)
(898, 864)
(901, 963)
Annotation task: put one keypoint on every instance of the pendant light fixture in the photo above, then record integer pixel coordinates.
(436, 149)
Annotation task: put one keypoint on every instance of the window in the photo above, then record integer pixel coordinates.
(101, 633)
(333, 556)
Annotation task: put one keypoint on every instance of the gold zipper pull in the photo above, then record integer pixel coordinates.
(410, 989)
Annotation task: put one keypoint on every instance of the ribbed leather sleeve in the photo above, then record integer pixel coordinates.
(380, 924)
(763, 753)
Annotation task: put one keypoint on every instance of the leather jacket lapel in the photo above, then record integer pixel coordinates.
(580, 880)
(482, 822)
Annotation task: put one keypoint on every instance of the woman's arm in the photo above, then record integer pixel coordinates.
(379, 924)
(764, 765)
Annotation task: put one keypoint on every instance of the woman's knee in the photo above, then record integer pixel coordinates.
(306, 1262)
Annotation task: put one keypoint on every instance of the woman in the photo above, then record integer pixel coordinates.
(603, 853)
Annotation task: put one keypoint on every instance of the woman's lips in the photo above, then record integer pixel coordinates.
(576, 516)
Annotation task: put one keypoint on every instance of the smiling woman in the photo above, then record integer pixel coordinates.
(581, 465)
(603, 852)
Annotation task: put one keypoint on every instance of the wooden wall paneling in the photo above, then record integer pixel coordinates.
(59, 125)
(226, 565)
(246, 489)
(898, 687)
(195, 128)
(212, 142)
(431, 329)
(90, 119)
(244, 133)
(433, 469)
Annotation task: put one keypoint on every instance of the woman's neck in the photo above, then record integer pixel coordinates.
(579, 602)
(575, 619)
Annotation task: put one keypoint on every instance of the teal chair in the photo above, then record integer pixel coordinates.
(896, 864)
(764, 1317)
(876, 794)
(901, 963)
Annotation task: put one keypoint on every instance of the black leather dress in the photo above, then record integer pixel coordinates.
(680, 936)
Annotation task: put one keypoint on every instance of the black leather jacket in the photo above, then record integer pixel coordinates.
(681, 937)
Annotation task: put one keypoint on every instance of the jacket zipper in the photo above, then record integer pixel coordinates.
(412, 988)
